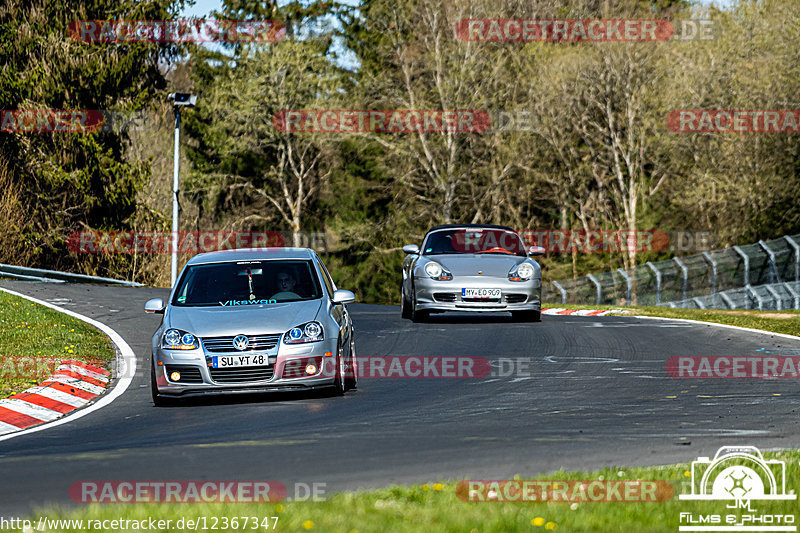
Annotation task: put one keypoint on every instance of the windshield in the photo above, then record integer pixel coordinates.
(474, 241)
(247, 283)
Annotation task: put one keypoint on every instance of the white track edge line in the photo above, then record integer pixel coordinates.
(128, 365)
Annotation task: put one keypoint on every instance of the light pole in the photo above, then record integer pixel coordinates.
(178, 100)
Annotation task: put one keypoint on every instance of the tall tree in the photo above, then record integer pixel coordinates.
(72, 181)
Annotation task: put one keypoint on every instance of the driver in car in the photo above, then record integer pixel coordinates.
(286, 285)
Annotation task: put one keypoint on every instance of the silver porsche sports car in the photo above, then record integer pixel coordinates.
(247, 320)
(471, 268)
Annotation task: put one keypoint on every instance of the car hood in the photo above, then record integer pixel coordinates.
(220, 321)
(469, 264)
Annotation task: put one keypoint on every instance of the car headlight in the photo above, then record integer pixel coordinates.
(521, 272)
(308, 332)
(436, 271)
(175, 339)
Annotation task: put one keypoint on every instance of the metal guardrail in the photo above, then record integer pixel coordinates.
(56, 276)
(719, 278)
(766, 297)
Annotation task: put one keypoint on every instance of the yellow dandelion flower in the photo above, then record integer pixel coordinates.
(538, 521)
(308, 524)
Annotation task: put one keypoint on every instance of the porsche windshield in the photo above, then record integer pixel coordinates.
(247, 283)
(474, 241)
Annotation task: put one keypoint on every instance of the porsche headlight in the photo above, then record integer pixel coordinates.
(521, 272)
(525, 271)
(176, 339)
(308, 332)
(436, 271)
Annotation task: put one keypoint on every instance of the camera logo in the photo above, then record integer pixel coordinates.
(739, 475)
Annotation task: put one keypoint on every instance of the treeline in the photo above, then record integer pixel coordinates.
(583, 141)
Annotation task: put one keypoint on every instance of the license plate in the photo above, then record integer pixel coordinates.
(226, 361)
(481, 293)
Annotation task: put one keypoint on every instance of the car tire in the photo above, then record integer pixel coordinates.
(417, 315)
(339, 376)
(527, 316)
(405, 305)
(158, 400)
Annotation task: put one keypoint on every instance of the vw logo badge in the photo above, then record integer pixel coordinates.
(241, 342)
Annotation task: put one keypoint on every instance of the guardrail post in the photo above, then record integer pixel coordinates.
(796, 248)
(746, 259)
(775, 296)
(657, 272)
(795, 295)
(773, 266)
(629, 284)
(562, 291)
(727, 300)
(756, 296)
(598, 286)
(713, 263)
(685, 274)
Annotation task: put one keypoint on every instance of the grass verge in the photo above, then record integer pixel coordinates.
(34, 338)
(435, 507)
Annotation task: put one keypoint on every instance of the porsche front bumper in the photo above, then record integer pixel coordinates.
(435, 295)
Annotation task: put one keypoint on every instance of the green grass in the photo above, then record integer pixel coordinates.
(435, 507)
(777, 321)
(33, 338)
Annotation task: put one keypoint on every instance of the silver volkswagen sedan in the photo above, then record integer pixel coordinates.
(471, 268)
(252, 320)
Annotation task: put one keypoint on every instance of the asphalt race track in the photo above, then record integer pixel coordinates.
(597, 394)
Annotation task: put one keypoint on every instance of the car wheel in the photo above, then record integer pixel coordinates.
(405, 305)
(527, 316)
(417, 315)
(351, 381)
(338, 380)
(158, 400)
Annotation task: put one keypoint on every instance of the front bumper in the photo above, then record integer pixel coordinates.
(434, 295)
(197, 377)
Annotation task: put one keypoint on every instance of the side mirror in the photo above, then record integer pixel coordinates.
(156, 305)
(411, 249)
(536, 250)
(343, 297)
